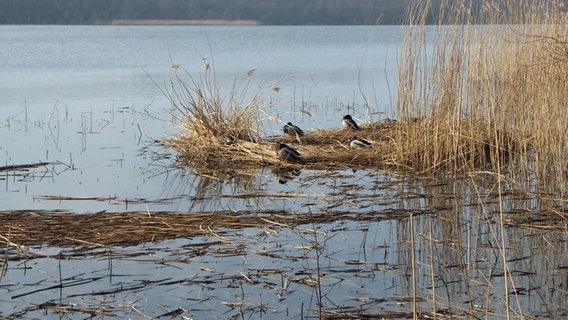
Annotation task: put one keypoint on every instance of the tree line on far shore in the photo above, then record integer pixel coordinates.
(267, 12)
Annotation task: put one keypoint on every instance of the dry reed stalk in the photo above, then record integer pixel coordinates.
(21, 167)
(432, 273)
(69, 309)
(414, 262)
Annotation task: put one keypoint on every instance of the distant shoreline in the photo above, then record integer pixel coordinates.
(204, 22)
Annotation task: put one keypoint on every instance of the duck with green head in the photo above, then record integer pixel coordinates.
(292, 130)
(349, 123)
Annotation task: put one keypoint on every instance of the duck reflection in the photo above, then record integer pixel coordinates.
(283, 175)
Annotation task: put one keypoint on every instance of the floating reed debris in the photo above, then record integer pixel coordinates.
(60, 228)
(62, 308)
(19, 167)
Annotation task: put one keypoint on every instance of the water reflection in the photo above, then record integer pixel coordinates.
(466, 250)
(343, 244)
(284, 175)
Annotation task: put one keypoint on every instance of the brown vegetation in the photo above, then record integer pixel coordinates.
(320, 149)
(59, 228)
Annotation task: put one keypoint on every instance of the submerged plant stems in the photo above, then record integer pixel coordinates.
(414, 281)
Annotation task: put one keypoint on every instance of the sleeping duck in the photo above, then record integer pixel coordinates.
(287, 153)
(292, 130)
(355, 142)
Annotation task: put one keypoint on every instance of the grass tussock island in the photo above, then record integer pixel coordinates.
(485, 92)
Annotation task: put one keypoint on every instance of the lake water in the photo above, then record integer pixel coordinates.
(89, 97)
(87, 100)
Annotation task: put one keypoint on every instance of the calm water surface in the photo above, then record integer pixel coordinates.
(88, 97)
(87, 100)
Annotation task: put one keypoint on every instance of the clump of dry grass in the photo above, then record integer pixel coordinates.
(320, 150)
(215, 130)
(490, 85)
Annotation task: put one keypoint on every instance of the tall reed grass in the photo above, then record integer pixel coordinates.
(486, 88)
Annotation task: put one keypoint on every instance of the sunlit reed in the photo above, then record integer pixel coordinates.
(486, 90)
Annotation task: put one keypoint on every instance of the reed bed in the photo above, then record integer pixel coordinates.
(329, 149)
(220, 135)
(491, 81)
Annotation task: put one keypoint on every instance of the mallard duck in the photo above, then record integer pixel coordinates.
(287, 153)
(292, 130)
(355, 142)
(349, 123)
